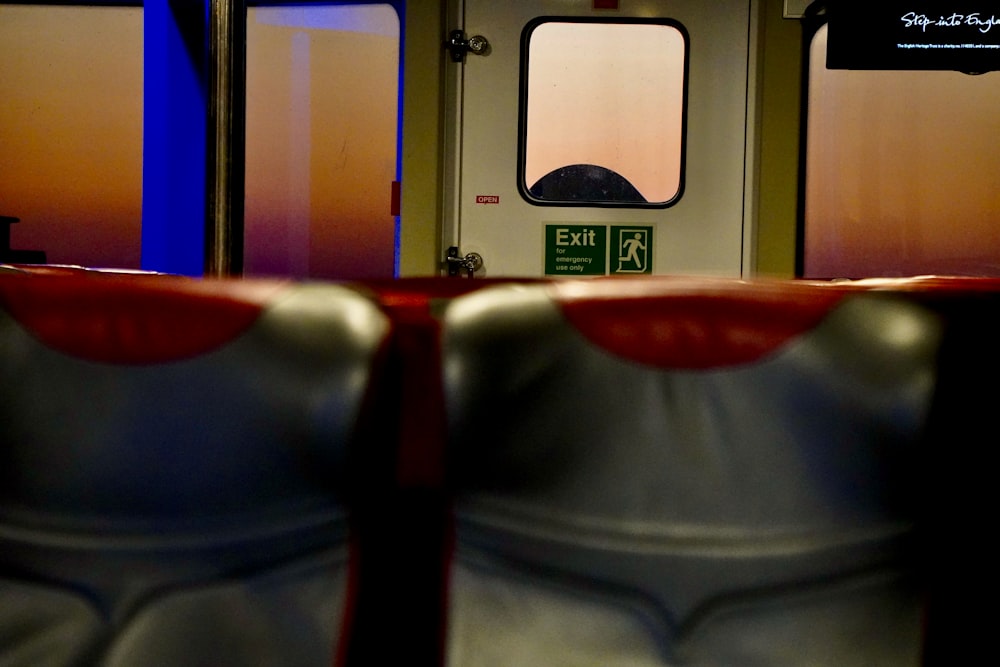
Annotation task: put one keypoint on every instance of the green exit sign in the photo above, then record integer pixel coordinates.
(576, 250)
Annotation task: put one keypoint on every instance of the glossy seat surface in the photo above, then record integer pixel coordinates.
(688, 472)
(174, 461)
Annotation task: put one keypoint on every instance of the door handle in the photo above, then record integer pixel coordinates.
(471, 263)
(458, 45)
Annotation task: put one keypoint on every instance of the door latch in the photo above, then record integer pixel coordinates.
(458, 45)
(469, 264)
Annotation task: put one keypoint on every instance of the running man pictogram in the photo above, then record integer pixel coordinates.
(633, 251)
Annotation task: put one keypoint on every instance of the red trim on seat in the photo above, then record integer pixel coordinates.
(934, 285)
(342, 645)
(127, 319)
(424, 292)
(409, 560)
(422, 422)
(694, 323)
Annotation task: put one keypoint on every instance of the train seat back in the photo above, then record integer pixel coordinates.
(174, 468)
(959, 491)
(696, 472)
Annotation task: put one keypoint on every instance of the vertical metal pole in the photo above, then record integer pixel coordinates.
(226, 137)
(452, 140)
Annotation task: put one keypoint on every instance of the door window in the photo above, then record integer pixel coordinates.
(603, 112)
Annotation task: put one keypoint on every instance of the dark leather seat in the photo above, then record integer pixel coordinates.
(686, 472)
(174, 468)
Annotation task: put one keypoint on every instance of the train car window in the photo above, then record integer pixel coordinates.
(901, 172)
(321, 141)
(71, 126)
(603, 112)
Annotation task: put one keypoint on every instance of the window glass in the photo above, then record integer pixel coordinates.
(603, 113)
(322, 119)
(71, 85)
(902, 172)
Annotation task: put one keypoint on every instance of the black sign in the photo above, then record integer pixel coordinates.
(914, 35)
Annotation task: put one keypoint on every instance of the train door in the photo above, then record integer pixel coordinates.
(594, 137)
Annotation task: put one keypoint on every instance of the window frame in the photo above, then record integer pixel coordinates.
(522, 148)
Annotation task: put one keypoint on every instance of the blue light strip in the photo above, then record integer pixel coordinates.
(174, 136)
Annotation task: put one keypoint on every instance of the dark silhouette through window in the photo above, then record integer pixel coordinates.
(585, 182)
